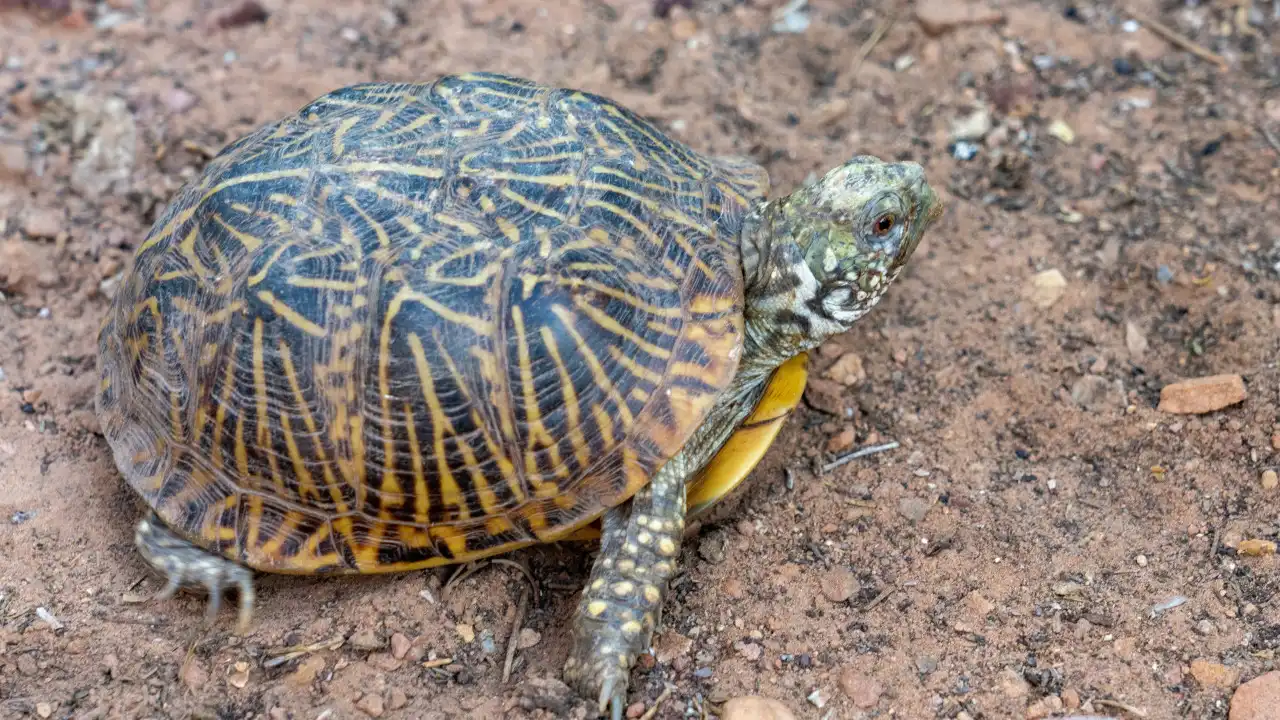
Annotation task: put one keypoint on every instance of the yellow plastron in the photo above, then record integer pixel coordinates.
(743, 450)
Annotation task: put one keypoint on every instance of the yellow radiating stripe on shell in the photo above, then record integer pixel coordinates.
(450, 492)
(292, 316)
(538, 435)
(574, 411)
(593, 362)
(250, 242)
(308, 420)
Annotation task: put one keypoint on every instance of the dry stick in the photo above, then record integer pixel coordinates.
(872, 450)
(1136, 712)
(1180, 40)
(1271, 139)
(666, 693)
(876, 36)
(514, 640)
(880, 598)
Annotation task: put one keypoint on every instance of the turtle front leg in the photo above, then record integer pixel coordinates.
(185, 565)
(620, 606)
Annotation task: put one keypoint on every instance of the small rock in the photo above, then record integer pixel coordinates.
(1257, 699)
(528, 638)
(41, 223)
(244, 13)
(862, 689)
(364, 640)
(44, 709)
(926, 664)
(466, 632)
(1275, 441)
(818, 698)
(396, 699)
(1047, 288)
(973, 126)
(307, 671)
(733, 589)
(400, 645)
(194, 674)
(847, 370)
(1062, 132)
(826, 396)
(1071, 698)
(27, 665)
(239, 677)
(13, 161)
(671, 645)
(1256, 547)
(979, 604)
(1270, 480)
(748, 650)
(1204, 627)
(839, 585)
(1214, 675)
(1094, 392)
(1013, 685)
(1135, 341)
(937, 17)
(635, 710)
(842, 440)
(371, 705)
(1202, 395)
(913, 508)
(179, 100)
(755, 707)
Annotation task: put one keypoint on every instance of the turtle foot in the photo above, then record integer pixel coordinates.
(186, 566)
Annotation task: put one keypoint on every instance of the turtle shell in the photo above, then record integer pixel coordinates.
(417, 324)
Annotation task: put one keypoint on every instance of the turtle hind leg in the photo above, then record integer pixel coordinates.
(185, 565)
(619, 608)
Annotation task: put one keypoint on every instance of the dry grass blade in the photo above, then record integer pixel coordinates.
(860, 453)
(1178, 39)
(1136, 712)
(514, 640)
(653, 710)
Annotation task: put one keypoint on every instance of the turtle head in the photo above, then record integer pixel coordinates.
(822, 257)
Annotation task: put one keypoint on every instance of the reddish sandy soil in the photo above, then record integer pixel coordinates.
(1002, 563)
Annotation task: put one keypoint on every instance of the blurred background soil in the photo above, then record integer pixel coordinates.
(1045, 540)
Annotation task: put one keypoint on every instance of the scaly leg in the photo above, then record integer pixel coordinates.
(185, 565)
(619, 608)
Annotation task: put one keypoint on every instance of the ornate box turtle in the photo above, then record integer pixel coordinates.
(419, 324)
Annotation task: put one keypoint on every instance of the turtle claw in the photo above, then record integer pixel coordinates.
(185, 565)
(612, 697)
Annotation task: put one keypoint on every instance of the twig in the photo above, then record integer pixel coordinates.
(514, 640)
(1136, 712)
(863, 452)
(1179, 40)
(880, 598)
(666, 693)
(1271, 139)
(876, 36)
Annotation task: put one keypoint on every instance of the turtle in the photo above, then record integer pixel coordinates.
(417, 324)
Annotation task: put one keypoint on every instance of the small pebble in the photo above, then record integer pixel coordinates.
(1122, 66)
(863, 690)
(1257, 699)
(371, 705)
(1270, 480)
(1202, 395)
(1141, 560)
(839, 585)
(635, 710)
(1047, 288)
(913, 508)
(1213, 674)
(755, 707)
(528, 638)
(44, 709)
(400, 646)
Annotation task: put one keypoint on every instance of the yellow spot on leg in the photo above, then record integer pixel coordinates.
(651, 594)
(623, 589)
(596, 608)
(631, 628)
(667, 547)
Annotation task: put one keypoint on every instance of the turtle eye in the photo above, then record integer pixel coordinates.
(884, 224)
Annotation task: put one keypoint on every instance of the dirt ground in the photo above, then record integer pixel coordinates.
(1021, 554)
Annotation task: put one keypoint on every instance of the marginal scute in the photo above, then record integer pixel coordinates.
(419, 324)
